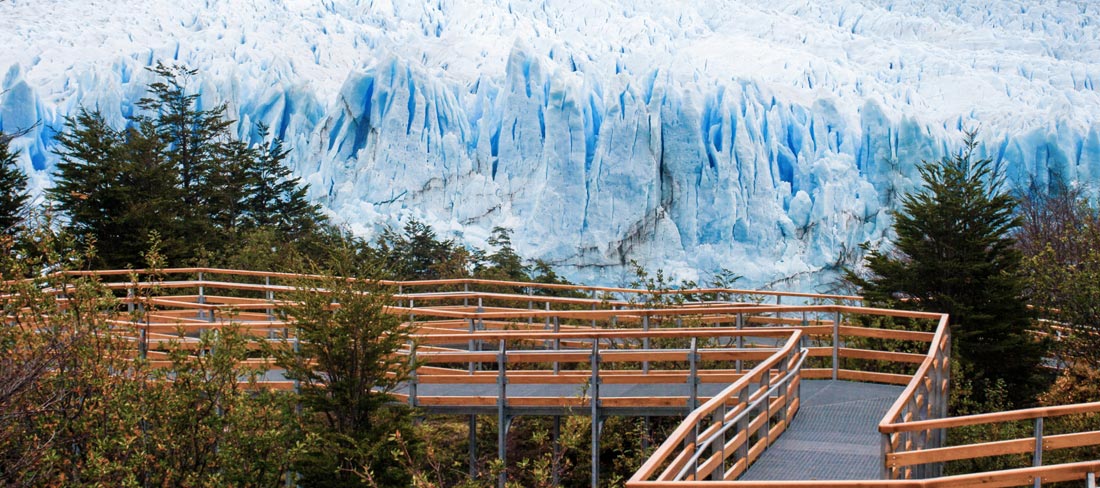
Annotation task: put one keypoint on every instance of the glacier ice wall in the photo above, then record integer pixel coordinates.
(770, 138)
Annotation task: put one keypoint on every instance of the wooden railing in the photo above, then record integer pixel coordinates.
(715, 441)
(719, 439)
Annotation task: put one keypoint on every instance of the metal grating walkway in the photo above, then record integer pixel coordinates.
(834, 436)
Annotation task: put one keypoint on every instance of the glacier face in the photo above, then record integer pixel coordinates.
(768, 137)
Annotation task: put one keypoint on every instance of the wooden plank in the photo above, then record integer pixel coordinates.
(848, 330)
(953, 453)
(897, 357)
(988, 418)
(872, 377)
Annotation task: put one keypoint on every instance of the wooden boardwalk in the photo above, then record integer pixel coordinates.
(814, 395)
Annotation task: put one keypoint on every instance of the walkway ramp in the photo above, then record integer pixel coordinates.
(834, 436)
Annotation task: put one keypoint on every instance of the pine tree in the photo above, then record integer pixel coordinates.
(116, 187)
(954, 254)
(275, 198)
(503, 263)
(192, 136)
(13, 188)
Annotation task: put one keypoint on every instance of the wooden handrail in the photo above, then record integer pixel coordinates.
(989, 418)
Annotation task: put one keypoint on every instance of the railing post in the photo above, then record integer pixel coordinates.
(743, 425)
(719, 445)
(412, 374)
(270, 297)
(1037, 457)
(595, 306)
(555, 463)
(645, 342)
(740, 337)
(885, 474)
(836, 344)
(765, 384)
(594, 401)
(470, 344)
(693, 378)
(502, 414)
(557, 341)
(472, 431)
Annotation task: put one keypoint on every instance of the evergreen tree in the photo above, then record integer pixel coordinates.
(178, 170)
(417, 253)
(954, 254)
(13, 188)
(347, 365)
(275, 198)
(116, 187)
(503, 263)
(192, 136)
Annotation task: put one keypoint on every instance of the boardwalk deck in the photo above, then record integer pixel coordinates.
(834, 436)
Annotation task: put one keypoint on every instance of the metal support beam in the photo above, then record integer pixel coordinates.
(645, 342)
(556, 461)
(594, 401)
(836, 344)
(473, 446)
(1037, 457)
(693, 377)
(502, 414)
(412, 375)
(740, 338)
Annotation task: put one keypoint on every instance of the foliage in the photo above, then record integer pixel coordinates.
(13, 188)
(343, 356)
(417, 253)
(1062, 267)
(954, 254)
(503, 263)
(81, 406)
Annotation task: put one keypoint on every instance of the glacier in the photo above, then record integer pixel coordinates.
(767, 137)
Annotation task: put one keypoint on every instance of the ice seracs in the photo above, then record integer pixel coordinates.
(769, 137)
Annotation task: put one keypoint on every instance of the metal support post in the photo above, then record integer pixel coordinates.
(270, 298)
(412, 375)
(693, 377)
(502, 414)
(645, 342)
(1037, 457)
(719, 445)
(740, 338)
(473, 446)
(470, 345)
(595, 306)
(743, 425)
(556, 462)
(202, 298)
(466, 299)
(1090, 480)
(885, 441)
(594, 401)
(557, 342)
(836, 344)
